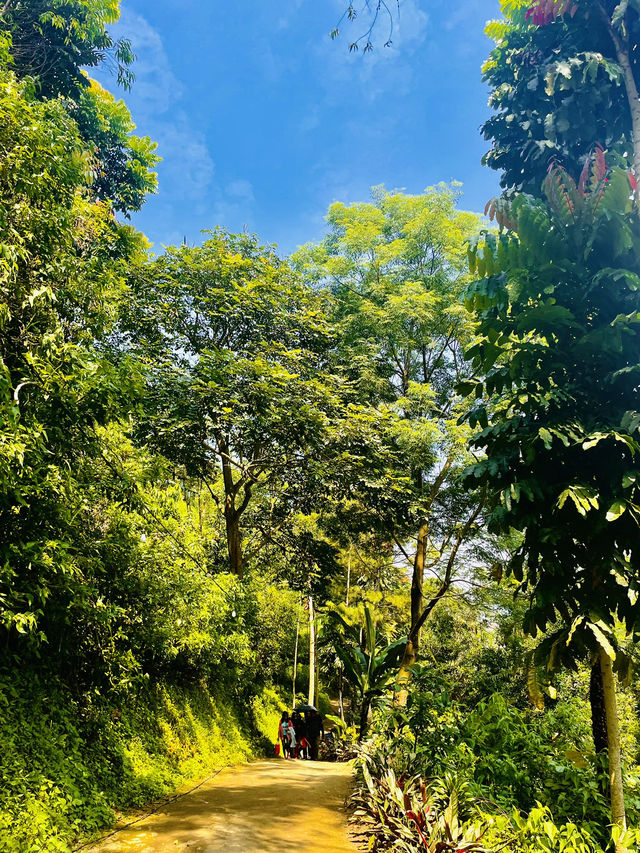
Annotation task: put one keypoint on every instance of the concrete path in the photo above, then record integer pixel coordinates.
(267, 807)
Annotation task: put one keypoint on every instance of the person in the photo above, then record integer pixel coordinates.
(287, 735)
(315, 728)
(300, 728)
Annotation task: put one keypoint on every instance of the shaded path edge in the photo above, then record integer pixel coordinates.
(158, 805)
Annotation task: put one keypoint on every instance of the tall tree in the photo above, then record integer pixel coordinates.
(558, 311)
(238, 385)
(564, 76)
(52, 41)
(52, 44)
(61, 279)
(122, 162)
(395, 268)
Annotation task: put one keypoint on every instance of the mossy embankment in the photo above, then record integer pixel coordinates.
(69, 765)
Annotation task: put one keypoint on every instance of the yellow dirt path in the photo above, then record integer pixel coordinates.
(266, 807)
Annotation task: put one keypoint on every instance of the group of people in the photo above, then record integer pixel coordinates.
(299, 734)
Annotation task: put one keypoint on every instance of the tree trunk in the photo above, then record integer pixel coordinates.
(231, 512)
(295, 658)
(413, 643)
(598, 710)
(312, 653)
(341, 693)
(346, 598)
(234, 541)
(364, 717)
(618, 816)
(317, 678)
(599, 726)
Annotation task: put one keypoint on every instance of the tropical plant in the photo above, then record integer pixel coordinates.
(558, 310)
(341, 745)
(370, 669)
(564, 76)
(405, 813)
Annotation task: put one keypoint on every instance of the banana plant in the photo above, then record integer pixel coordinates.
(368, 668)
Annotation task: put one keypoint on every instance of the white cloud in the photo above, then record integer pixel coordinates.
(187, 167)
(156, 86)
(310, 120)
(242, 190)
(293, 8)
(464, 11)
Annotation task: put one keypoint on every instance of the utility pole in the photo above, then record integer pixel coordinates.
(295, 656)
(312, 653)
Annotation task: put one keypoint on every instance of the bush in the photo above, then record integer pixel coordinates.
(510, 758)
(410, 814)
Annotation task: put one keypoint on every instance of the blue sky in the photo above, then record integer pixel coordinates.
(262, 121)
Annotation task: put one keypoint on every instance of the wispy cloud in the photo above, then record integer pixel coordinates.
(293, 9)
(156, 87)
(187, 167)
(464, 11)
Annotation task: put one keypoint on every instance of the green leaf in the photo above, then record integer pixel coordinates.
(615, 510)
(546, 437)
(603, 640)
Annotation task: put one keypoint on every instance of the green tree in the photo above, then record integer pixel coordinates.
(395, 268)
(53, 40)
(564, 76)
(51, 44)
(60, 277)
(237, 385)
(558, 309)
(121, 161)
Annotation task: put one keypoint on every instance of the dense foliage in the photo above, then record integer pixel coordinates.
(226, 477)
(563, 77)
(472, 763)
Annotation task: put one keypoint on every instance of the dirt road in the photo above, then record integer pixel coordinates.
(265, 807)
